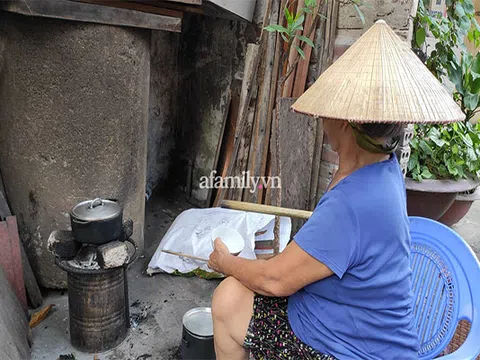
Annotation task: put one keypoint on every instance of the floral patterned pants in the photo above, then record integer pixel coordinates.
(270, 337)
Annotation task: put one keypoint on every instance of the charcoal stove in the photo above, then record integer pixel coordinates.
(96, 274)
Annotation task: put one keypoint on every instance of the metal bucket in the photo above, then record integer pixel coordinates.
(98, 308)
(197, 337)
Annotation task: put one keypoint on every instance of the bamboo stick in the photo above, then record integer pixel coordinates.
(184, 255)
(266, 209)
(289, 82)
(261, 128)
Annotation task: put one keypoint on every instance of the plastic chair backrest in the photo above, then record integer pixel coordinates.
(446, 286)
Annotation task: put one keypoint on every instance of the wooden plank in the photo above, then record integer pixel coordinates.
(190, 2)
(220, 140)
(227, 147)
(288, 86)
(241, 161)
(316, 164)
(296, 152)
(11, 258)
(252, 60)
(77, 11)
(326, 42)
(327, 35)
(136, 6)
(33, 291)
(207, 134)
(262, 123)
(175, 6)
(266, 209)
(265, 161)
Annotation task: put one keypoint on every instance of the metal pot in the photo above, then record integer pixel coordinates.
(97, 221)
(197, 337)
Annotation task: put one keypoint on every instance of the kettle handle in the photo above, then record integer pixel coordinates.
(96, 202)
(135, 254)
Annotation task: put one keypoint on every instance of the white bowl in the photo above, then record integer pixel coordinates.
(230, 237)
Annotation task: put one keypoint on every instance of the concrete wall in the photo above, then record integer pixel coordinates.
(192, 77)
(395, 12)
(212, 56)
(164, 112)
(73, 121)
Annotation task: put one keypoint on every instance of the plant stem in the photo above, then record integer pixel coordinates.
(291, 67)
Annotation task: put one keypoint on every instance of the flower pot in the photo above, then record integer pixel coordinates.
(432, 198)
(460, 207)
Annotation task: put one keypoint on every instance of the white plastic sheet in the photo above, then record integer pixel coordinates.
(191, 231)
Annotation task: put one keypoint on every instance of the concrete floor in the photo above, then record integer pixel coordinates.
(157, 304)
(469, 228)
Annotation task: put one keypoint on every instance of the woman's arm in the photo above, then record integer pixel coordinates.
(282, 275)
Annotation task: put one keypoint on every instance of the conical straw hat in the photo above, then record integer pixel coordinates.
(379, 79)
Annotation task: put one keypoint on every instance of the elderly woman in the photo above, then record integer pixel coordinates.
(342, 288)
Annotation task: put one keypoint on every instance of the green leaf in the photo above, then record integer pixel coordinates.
(471, 154)
(471, 100)
(300, 51)
(276, 28)
(459, 10)
(434, 135)
(475, 86)
(360, 13)
(425, 147)
(298, 22)
(420, 36)
(455, 75)
(476, 64)
(465, 23)
(426, 174)
(467, 140)
(413, 161)
(306, 40)
(311, 3)
(307, 10)
(455, 149)
(439, 142)
(288, 15)
(468, 6)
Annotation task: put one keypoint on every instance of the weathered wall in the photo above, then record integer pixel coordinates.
(350, 27)
(211, 58)
(73, 119)
(396, 13)
(14, 332)
(192, 77)
(163, 114)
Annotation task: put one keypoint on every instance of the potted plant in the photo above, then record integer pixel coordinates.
(445, 159)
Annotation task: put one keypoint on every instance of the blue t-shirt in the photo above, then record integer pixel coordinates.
(360, 230)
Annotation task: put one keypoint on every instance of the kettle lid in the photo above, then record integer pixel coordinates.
(96, 210)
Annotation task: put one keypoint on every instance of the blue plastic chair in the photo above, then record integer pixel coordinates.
(446, 285)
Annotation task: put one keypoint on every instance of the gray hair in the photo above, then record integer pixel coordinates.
(382, 130)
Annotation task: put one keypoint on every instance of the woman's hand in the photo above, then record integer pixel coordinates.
(218, 256)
